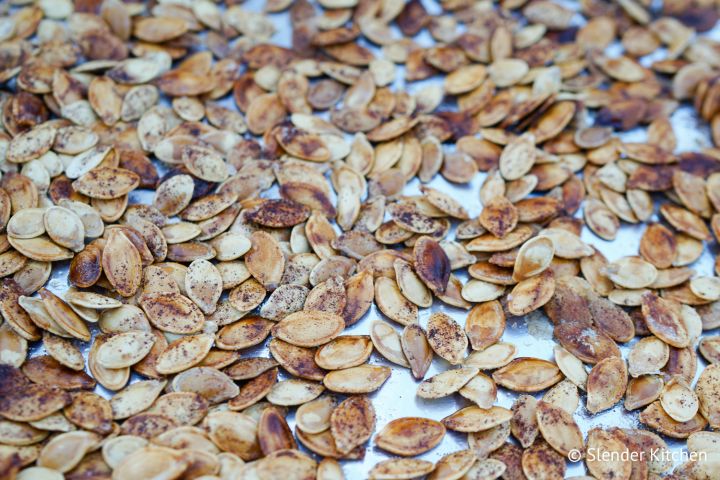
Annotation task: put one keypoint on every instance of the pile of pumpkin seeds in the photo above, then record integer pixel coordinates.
(103, 99)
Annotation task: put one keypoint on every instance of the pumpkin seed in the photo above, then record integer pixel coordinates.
(13, 347)
(174, 194)
(533, 258)
(705, 389)
(66, 319)
(495, 356)
(476, 419)
(294, 392)
(527, 374)
(400, 468)
(648, 356)
(115, 450)
(431, 264)
(655, 417)
(125, 349)
(309, 328)
(203, 284)
(606, 384)
(485, 324)
(40, 249)
(273, 432)
(254, 390)
(314, 416)
(184, 353)
(566, 244)
(152, 461)
(393, 303)
(265, 260)
(354, 380)
(63, 351)
(480, 389)
(663, 319)
(27, 223)
(678, 400)
(642, 391)
(446, 383)
(598, 438)
(135, 398)
(352, 423)
(31, 144)
(531, 294)
(631, 272)
(65, 451)
(106, 183)
(708, 347)
(172, 312)
(518, 157)
(524, 423)
(410, 436)
(122, 264)
(410, 284)
(447, 338)
(707, 288)
(491, 243)
(387, 341)
(559, 428)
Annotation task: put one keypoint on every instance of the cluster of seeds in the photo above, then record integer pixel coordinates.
(102, 98)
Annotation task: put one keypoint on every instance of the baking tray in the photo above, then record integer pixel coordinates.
(531, 334)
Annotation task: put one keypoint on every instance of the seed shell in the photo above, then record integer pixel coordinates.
(447, 338)
(558, 428)
(527, 374)
(606, 384)
(356, 380)
(410, 436)
(446, 383)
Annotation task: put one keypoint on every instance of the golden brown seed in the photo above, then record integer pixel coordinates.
(431, 264)
(534, 256)
(614, 465)
(121, 263)
(664, 320)
(527, 374)
(558, 428)
(410, 436)
(387, 341)
(172, 312)
(606, 384)
(648, 356)
(656, 418)
(125, 349)
(309, 328)
(393, 303)
(417, 350)
(447, 338)
(352, 423)
(184, 353)
(361, 379)
(244, 333)
(476, 419)
(395, 468)
(706, 390)
(446, 383)
(532, 293)
(642, 391)
(485, 324)
(265, 260)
